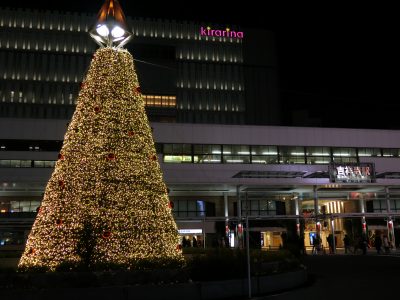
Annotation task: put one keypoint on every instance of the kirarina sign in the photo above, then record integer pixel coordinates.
(207, 31)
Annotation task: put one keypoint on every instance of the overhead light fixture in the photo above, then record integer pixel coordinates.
(111, 29)
(102, 30)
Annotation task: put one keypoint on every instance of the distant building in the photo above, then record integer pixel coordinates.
(185, 76)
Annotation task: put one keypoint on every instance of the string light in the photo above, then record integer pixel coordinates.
(106, 202)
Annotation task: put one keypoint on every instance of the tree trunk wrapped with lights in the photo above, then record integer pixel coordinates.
(106, 203)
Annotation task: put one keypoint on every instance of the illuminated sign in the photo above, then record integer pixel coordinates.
(348, 173)
(227, 32)
(190, 231)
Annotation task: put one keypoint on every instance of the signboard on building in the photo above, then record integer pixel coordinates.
(351, 172)
(190, 231)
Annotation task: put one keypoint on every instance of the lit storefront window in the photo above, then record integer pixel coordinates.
(160, 100)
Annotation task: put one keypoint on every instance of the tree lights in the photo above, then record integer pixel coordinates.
(106, 202)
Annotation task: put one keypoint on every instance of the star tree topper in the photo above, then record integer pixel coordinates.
(111, 29)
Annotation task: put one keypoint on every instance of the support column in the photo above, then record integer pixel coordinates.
(363, 221)
(226, 207)
(333, 236)
(226, 215)
(316, 214)
(389, 219)
(239, 213)
(297, 212)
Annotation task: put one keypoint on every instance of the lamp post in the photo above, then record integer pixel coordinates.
(111, 29)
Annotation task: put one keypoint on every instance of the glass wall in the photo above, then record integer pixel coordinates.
(264, 154)
(207, 154)
(189, 208)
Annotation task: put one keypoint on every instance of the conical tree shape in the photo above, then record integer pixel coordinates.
(106, 203)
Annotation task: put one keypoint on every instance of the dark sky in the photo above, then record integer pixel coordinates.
(338, 64)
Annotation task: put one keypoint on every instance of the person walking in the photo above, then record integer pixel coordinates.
(378, 243)
(330, 243)
(346, 242)
(386, 244)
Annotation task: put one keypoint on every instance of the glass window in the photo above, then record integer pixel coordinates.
(177, 153)
(344, 152)
(345, 160)
(189, 208)
(317, 160)
(366, 152)
(38, 163)
(292, 155)
(236, 159)
(236, 150)
(207, 149)
(264, 150)
(4, 163)
(264, 155)
(25, 163)
(167, 149)
(177, 159)
(264, 159)
(49, 164)
(390, 152)
(318, 151)
(209, 159)
(207, 153)
(15, 163)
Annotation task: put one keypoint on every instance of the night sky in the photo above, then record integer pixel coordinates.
(338, 63)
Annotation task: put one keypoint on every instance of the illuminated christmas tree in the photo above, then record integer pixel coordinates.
(106, 203)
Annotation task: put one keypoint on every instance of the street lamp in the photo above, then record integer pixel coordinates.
(111, 29)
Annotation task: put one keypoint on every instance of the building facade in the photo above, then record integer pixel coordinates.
(186, 76)
(284, 181)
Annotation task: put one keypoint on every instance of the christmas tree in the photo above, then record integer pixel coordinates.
(106, 203)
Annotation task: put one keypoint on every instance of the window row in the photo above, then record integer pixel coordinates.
(46, 20)
(188, 153)
(193, 208)
(380, 206)
(220, 52)
(25, 163)
(38, 67)
(210, 76)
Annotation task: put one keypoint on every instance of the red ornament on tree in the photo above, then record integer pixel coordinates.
(31, 251)
(154, 157)
(111, 156)
(131, 133)
(97, 109)
(61, 184)
(179, 247)
(106, 234)
(138, 90)
(60, 156)
(59, 222)
(171, 204)
(82, 85)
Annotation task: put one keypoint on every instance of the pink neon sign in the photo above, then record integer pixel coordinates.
(207, 31)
